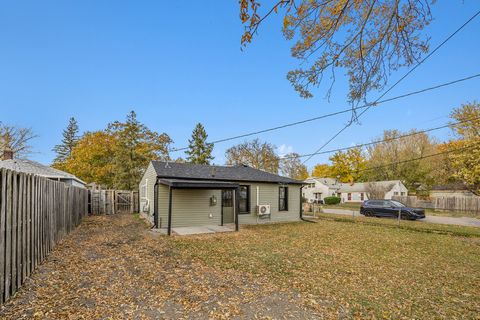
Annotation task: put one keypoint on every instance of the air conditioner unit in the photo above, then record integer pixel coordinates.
(263, 209)
(146, 206)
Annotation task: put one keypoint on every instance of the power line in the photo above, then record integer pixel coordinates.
(419, 158)
(397, 82)
(380, 141)
(338, 112)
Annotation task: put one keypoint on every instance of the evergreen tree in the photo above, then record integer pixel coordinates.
(136, 145)
(69, 141)
(199, 151)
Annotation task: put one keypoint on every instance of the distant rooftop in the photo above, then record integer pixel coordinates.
(32, 167)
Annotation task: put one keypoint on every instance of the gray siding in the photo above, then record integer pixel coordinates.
(149, 178)
(191, 207)
(268, 194)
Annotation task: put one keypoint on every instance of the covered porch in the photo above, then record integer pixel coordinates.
(188, 203)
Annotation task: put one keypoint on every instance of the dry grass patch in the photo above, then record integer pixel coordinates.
(356, 269)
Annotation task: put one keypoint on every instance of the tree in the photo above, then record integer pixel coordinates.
(291, 166)
(390, 157)
(256, 154)
(367, 39)
(199, 151)
(465, 163)
(347, 166)
(376, 190)
(135, 147)
(16, 139)
(70, 139)
(322, 170)
(93, 159)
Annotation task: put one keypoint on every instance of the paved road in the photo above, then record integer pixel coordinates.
(460, 221)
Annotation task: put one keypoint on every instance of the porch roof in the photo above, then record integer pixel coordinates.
(198, 184)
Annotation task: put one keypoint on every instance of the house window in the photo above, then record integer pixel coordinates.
(244, 199)
(283, 199)
(349, 197)
(143, 190)
(395, 193)
(362, 196)
(402, 193)
(227, 198)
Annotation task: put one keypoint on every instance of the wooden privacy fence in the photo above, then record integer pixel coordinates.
(35, 213)
(467, 204)
(113, 201)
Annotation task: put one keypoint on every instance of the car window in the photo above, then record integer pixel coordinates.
(374, 203)
(386, 204)
(397, 204)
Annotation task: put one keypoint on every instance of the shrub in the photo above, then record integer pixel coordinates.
(332, 200)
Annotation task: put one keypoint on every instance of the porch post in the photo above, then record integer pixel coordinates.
(155, 205)
(169, 211)
(221, 207)
(236, 206)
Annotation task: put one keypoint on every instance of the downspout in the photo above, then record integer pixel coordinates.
(301, 208)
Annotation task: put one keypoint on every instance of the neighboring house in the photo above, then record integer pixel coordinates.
(32, 167)
(450, 190)
(358, 192)
(185, 195)
(316, 189)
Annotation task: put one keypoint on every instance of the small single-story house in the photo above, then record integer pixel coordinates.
(316, 189)
(450, 190)
(192, 195)
(358, 192)
(32, 167)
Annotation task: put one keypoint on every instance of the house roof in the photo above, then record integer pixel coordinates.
(32, 167)
(217, 173)
(198, 184)
(363, 186)
(329, 182)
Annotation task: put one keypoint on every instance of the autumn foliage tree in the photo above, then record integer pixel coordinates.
(464, 152)
(256, 154)
(393, 158)
(93, 159)
(364, 38)
(322, 170)
(291, 166)
(348, 166)
(117, 156)
(135, 147)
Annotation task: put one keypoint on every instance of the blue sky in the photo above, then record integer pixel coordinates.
(177, 63)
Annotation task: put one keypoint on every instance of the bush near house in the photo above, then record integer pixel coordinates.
(332, 200)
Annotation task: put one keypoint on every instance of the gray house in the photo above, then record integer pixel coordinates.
(32, 167)
(186, 195)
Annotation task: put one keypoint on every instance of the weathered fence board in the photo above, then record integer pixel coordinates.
(467, 204)
(113, 201)
(35, 213)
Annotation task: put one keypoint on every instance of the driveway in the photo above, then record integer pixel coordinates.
(460, 221)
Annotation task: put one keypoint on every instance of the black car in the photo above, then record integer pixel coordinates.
(390, 208)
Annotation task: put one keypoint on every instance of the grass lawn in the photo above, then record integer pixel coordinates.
(360, 269)
(114, 267)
